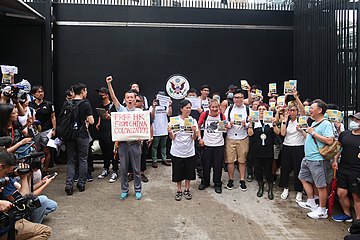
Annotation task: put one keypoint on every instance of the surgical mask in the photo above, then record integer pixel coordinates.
(253, 95)
(230, 95)
(354, 125)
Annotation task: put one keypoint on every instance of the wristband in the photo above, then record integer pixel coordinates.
(313, 133)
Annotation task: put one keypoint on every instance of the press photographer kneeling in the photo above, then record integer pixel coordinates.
(23, 203)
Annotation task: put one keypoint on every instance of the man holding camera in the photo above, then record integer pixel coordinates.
(23, 228)
(348, 174)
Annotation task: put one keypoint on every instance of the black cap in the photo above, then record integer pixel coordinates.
(232, 87)
(356, 115)
(204, 86)
(103, 90)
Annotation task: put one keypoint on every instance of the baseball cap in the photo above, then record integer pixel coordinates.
(356, 115)
(232, 87)
(103, 90)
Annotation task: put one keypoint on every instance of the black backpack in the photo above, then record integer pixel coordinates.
(67, 125)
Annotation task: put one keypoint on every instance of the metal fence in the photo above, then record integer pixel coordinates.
(326, 53)
(224, 4)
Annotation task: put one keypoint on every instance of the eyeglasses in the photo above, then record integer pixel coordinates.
(238, 97)
(292, 110)
(138, 100)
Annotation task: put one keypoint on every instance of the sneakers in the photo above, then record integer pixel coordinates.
(230, 184)
(123, 195)
(243, 186)
(319, 213)
(306, 205)
(203, 186)
(187, 195)
(113, 177)
(69, 191)
(342, 218)
(218, 189)
(138, 195)
(166, 163)
(103, 174)
(285, 194)
(144, 178)
(178, 196)
(154, 165)
(298, 197)
(250, 178)
(89, 178)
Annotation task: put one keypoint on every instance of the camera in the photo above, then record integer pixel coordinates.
(16, 90)
(32, 159)
(23, 208)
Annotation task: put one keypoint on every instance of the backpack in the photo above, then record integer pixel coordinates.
(66, 123)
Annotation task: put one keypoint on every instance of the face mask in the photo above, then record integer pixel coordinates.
(230, 95)
(253, 95)
(354, 125)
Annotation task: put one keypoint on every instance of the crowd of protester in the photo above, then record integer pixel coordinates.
(259, 149)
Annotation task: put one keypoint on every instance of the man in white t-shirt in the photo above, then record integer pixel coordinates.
(237, 141)
(160, 124)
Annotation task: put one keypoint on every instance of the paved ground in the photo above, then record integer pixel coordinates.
(98, 213)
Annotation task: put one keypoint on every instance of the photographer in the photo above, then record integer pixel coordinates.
(9, 96)
(9, 127)
(23, 228)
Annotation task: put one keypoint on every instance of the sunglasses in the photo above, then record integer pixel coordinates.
(138, 100)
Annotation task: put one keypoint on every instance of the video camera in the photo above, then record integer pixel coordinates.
(14, 92)
(23, 208)
(32, 159)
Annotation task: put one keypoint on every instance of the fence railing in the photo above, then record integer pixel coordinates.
(223, 4)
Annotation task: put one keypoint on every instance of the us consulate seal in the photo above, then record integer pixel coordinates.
(177, 86)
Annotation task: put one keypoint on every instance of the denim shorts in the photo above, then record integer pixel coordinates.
(313, 172)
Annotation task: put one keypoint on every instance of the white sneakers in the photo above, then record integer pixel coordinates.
(319, 213)
(298, 197)
(308, 206)
(285, 194)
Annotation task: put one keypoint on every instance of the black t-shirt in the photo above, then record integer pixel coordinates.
(85, 110)
(350, 154)
(105, 124)
(43, 113)
(256, 147)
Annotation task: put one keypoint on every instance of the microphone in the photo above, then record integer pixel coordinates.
(5, 141)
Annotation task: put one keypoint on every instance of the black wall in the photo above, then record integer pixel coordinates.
(149, 56)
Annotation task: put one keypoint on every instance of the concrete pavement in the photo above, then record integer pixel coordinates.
(98, 213)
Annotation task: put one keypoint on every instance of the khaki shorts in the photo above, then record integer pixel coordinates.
(237, 150)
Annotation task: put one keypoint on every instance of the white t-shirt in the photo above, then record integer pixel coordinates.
(205, 104)
(212, 138)
(160, 122)
(293, 137)
(28, 113)
(236, 132)
(183, 145)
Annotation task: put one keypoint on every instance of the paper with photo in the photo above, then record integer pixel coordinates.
(221, 126)
(307, 110)
(163, 100)
(195, 102)
(268, 116)
(272, 87)
(302, 121)
(254, 115)
(272, 105)
(258, 93)
(244, 85)
(175, 124)
(293, 84)
(217, 98)
(188, 123)
(238, 119)
(281, 101)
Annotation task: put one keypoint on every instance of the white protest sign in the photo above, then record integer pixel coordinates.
(9, 69)
(163, 100)
(130, 126)
(195, 102)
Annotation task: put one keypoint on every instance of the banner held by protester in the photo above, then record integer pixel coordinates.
(130, 126)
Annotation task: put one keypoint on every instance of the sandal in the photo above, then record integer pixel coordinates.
(178, 196)
(187, 195)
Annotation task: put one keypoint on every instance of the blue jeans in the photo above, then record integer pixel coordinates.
(47, 206)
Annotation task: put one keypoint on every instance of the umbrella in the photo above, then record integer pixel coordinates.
(331, 200)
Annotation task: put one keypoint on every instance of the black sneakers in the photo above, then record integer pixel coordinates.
(242, 186)
(230, 184)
